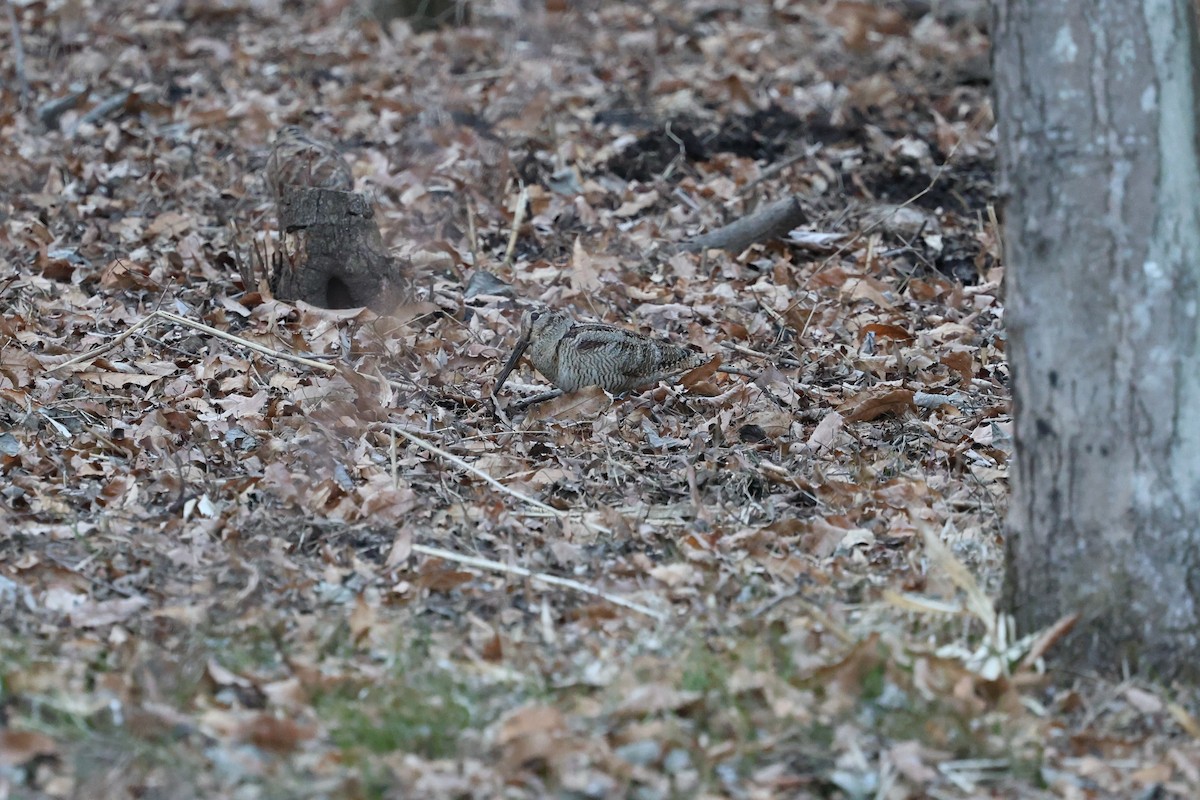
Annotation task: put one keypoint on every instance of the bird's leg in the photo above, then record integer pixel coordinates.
(537, 398)
(736, 371)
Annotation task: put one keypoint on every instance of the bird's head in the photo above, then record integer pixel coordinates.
(542, 322)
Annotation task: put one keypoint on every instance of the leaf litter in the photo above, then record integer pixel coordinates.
(255, 549)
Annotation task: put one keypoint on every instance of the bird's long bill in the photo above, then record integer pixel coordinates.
(513, 360)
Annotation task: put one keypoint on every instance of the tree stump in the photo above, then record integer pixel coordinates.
(332, 253)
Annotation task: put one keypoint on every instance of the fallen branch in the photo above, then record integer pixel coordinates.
(103, 110)
(931, 400)
(51, 111)
(763, 225)
(104, 348)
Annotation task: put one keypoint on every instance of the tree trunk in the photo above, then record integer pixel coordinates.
(1096, 104)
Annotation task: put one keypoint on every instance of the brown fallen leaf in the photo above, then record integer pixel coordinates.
(532, 733)
(875, 403)
(825, 434)
(884, 331)
(649, 699)
(21, 747)
(962, 363)
(694, 378)
(586, 403)
(584, 275)
(362, 619)
(274, 734)
(170, 222)
(400, 550)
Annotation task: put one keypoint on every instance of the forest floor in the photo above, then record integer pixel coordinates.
(225, 573)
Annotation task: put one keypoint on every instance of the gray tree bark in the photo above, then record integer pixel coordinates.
(1097, 111)
(333, 256)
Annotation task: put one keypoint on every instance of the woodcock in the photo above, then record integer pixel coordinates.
(572, 355)
(300, 160)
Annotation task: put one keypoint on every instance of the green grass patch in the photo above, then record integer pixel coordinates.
(424, 707)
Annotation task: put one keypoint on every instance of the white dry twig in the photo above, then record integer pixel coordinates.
(453, 459)
(550, 580)
(518, 221)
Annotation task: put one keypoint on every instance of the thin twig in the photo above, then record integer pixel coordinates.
(453, 459)
(551, 580)
(104, 348)
(518, 221)
(807, 321)
(472, 236)
(783, 361)
(220, 334)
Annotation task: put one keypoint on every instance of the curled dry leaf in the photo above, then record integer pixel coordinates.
(884, 331)
(876, 403)
(362, 618)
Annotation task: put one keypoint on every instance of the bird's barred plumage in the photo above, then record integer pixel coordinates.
(572, 355)
(301, 160)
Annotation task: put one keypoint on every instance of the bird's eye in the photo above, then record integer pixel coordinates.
(533, 315)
